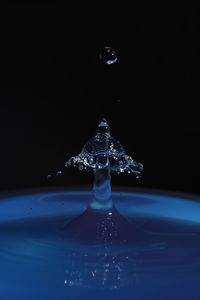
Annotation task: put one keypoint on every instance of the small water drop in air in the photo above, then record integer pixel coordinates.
(80, 167)
(49, 176)
(58, 173)
(108, 56)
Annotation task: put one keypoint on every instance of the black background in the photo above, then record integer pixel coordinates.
(54, 90)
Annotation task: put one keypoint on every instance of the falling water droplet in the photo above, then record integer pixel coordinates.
(108, 56)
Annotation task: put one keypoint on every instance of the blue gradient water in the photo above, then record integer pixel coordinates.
(39, 260)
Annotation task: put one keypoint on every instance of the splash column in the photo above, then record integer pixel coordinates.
(102, 187)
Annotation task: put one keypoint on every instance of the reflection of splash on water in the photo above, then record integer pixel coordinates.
(103, 149)
(106, 267)
(101, 268)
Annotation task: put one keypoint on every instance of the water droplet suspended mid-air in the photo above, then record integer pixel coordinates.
(58, 173)
(108, 56)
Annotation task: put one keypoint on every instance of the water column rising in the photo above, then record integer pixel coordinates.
(102, 188)
(103, 155)
(101, 222)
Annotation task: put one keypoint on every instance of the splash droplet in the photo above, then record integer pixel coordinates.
(108, 56)
(58, 173)
(49, 176)
(80, 167)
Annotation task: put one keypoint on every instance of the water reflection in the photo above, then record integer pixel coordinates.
(160, 254)
(101, 268)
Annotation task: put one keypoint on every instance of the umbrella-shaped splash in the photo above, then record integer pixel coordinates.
(103, 154)
(105, 151)
(101, 222)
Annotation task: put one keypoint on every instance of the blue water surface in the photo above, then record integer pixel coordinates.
(38, 260)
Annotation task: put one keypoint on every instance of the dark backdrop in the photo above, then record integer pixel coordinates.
(54, 90)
